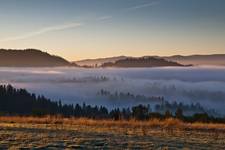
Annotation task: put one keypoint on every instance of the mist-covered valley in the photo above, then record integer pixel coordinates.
(204, 85)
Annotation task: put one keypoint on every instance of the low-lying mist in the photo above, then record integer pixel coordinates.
(205, 85)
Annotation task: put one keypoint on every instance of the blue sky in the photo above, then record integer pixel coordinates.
(77, 29)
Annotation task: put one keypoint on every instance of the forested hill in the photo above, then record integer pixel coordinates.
(142, 62)
(30, 58)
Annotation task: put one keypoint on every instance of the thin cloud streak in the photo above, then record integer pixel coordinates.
(71, 25)
(153, 3)
(142, 6)
(104, 18)
(42, 31)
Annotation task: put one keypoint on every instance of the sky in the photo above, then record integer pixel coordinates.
(81, 29)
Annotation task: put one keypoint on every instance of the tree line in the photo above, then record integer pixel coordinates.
(159, 104)
(20, 102)
(126, 96)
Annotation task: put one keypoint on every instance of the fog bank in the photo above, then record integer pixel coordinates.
(205, 85)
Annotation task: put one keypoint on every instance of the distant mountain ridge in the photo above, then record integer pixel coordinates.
(30, 58)
(141, 62)
(37, 58)
(214, 59)
(99, 61)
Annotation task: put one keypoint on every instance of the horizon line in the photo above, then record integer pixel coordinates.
(111, 56)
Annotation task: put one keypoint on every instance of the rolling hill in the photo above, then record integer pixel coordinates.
(141, 62)
(30, 58)
(214, 59)
(99, 61)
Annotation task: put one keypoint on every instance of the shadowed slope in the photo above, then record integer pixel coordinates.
(142, 62)
(30, 58)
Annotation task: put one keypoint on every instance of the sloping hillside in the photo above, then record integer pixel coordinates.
(141, 62)
(99, 61)
(215, 59)
(30, 58)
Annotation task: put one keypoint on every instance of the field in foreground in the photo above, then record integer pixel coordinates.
(61, 133)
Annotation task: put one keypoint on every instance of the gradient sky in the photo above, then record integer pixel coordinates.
(78, 29)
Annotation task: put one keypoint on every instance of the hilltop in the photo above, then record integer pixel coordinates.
(30, 58)
(214, 59)
(99, 61)
(141, 62)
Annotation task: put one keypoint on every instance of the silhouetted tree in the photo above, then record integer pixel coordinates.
(168, 114)
(140, 112)
(179, 113)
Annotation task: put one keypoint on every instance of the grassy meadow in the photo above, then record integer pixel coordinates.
(56, 132)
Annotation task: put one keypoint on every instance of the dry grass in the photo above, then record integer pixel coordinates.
(170, 123)
(57, 132)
